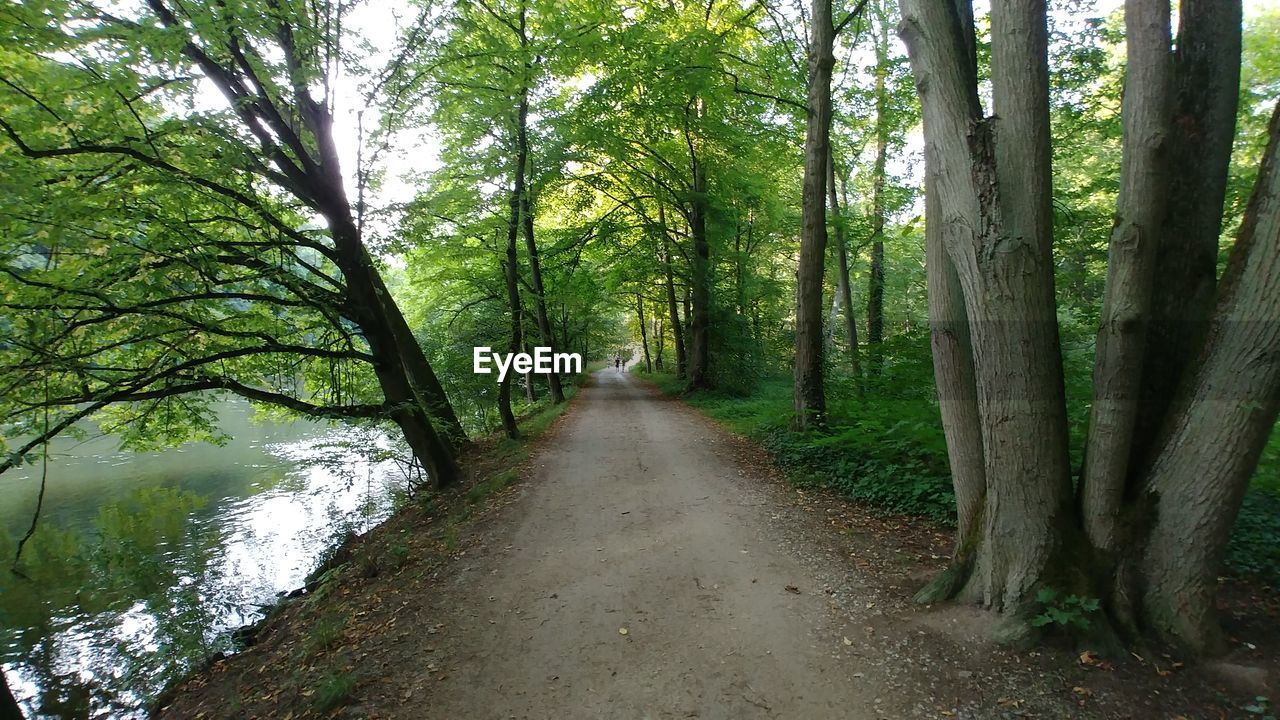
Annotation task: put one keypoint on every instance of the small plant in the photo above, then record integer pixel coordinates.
(324, 634)
(1067, 613)
(333, 690)
(1260, 708)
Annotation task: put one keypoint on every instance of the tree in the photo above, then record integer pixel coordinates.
(810, 399)
(227, 191)
(1154, 532)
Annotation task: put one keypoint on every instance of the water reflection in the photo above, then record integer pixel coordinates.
(144, 562)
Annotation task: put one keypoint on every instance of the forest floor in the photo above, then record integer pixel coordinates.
(648, 564)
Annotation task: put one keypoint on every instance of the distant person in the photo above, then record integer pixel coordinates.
(617, 362)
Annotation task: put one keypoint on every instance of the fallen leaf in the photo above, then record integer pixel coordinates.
(622, 631)
(793, 589)
(847, 641)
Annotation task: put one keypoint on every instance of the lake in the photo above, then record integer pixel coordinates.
(144, 562)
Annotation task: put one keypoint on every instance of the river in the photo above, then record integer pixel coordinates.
(144, 562)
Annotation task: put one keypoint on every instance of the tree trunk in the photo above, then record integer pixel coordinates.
(511, 271)
(644, 333)
(844, 293)
(409, 385)
(1212, 444)
(700, 279)
(535, 278)
(957, 397)
(379, 319)
(530, 391)
(1206, 68)
(993, 185)
(1127, 303)
(673, 309)
(659, 340)
(810, 399)
(875, 285)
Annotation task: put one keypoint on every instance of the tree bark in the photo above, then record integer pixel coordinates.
(644, 333)
(659, 340)
(673, 308)
(844, 293)
(1206, 66)
(511, 270)
(700, 279)
(1127, 302)
(535, 271)
(384, 328)
(875, 286)
(993, 188)
(1212, 445)
(810, 399)
(957, 397)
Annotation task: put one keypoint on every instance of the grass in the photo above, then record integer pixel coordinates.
(332, 691)
(325, 634)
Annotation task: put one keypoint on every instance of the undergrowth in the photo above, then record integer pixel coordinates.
(885, 448)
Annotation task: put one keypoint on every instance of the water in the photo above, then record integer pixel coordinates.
(145, 561)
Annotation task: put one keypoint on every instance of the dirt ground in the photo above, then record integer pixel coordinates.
(651, 565)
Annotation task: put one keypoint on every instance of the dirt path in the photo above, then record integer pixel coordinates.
(637, 519)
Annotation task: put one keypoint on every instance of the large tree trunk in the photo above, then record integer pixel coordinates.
(644, 332)
(673, 307)
(700, 279)
(1205, 96)
(844, 293)
(1212, 443)
(1127, 304)
(993, 186)
(1162, 486)
(379, 318)
(810, 398)
(410, 387)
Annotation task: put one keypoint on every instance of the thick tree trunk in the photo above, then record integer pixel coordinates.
(644, 333)
(9, 708)
(1212, 444)
(420, 372)
(844, 293)
(700, 279)
(1122, 333)
(1205, 96)
(379, 319)
(994, 188)
(810, 399)
(673, 308)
